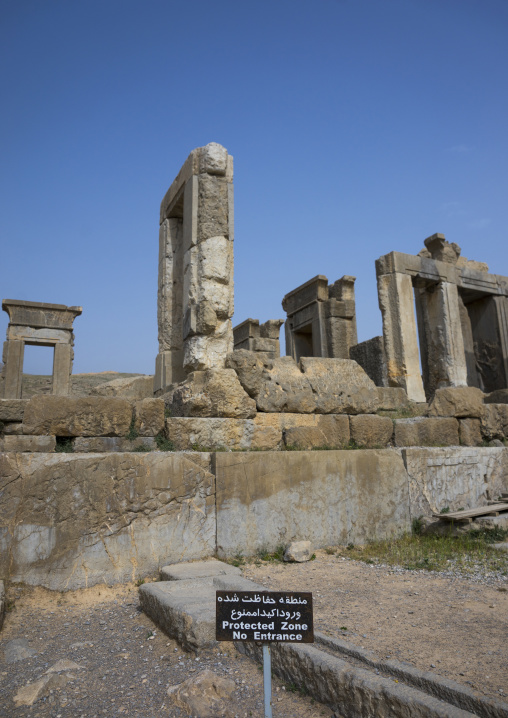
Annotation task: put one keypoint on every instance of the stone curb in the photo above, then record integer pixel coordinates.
(431, 683)
(353, 692)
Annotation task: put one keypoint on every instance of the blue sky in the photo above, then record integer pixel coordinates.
(358, 127)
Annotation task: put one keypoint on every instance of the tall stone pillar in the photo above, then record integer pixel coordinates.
(445, 360)
(195, 295)
(395, 293)
(13, 368)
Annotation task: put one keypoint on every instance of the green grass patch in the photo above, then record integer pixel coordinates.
(132, 433)
(276, 556)
(163, 443)
(469, 553)
(64, 445)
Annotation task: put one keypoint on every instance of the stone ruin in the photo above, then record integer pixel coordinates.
(38, 324)
(321, 319)
(195, 300)
(202, 461)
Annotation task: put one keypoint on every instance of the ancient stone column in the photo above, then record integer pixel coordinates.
(195, 294)
(395, 293)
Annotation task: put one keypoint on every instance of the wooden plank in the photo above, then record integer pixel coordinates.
(492, 510)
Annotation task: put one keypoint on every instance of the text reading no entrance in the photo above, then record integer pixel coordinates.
(264, 616)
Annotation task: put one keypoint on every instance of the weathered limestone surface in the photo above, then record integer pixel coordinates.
(299, 551)
(495, 421)
(149, 417)
(212, 393)
(370, 430)
(195, 295)
(67, 416)
(28, 443)
(198, 569)
(264, 338)
(321, 318)
(457, 478)
(102, 444)
(264, 431)
(69, 521)
(395, 293)
(42, 325)
(391, 398)
(272, 498)
(470, 432)
(464, 401)
(370, 355)
(462, 314)
(204, 694)
(422, 431)
(305, 437)
(12, 409)
(328, 429)
(497, 397)
(322, 386)
(185, 610)
(134, 387)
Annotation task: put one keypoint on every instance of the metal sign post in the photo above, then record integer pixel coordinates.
(267, 679)
(264, 617)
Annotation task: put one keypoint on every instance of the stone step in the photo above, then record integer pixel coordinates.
(185, 609)
(198, 569)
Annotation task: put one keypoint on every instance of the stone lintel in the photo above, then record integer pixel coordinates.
(40, 315)
(427, 271)
(213, 159)
(246, 330)
(315, 290)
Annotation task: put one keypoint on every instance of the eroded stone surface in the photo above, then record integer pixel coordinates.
(423, 431)
(299, 551)
(212, 393)
(106, 518)
(68, 416)
(12, 409)
(495, 421)
(265, 499)
(203, 695)
(370, 430)
(455, 478)
(323, 386)
(463, 401)
(149, 417)
(470, 432)
(134, 387)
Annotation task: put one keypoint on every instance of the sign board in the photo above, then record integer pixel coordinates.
(264, 616)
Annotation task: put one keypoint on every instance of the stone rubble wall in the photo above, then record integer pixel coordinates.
(212, 410)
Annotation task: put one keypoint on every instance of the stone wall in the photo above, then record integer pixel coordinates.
(73, 520)
(329, 497)
(215, 414)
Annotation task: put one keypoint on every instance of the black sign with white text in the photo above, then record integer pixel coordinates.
(264, 616)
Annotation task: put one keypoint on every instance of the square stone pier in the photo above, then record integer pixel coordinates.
(195, 300)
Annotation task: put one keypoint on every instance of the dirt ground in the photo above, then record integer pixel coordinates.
(448, 625)
(127, 663)
(452, 626)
